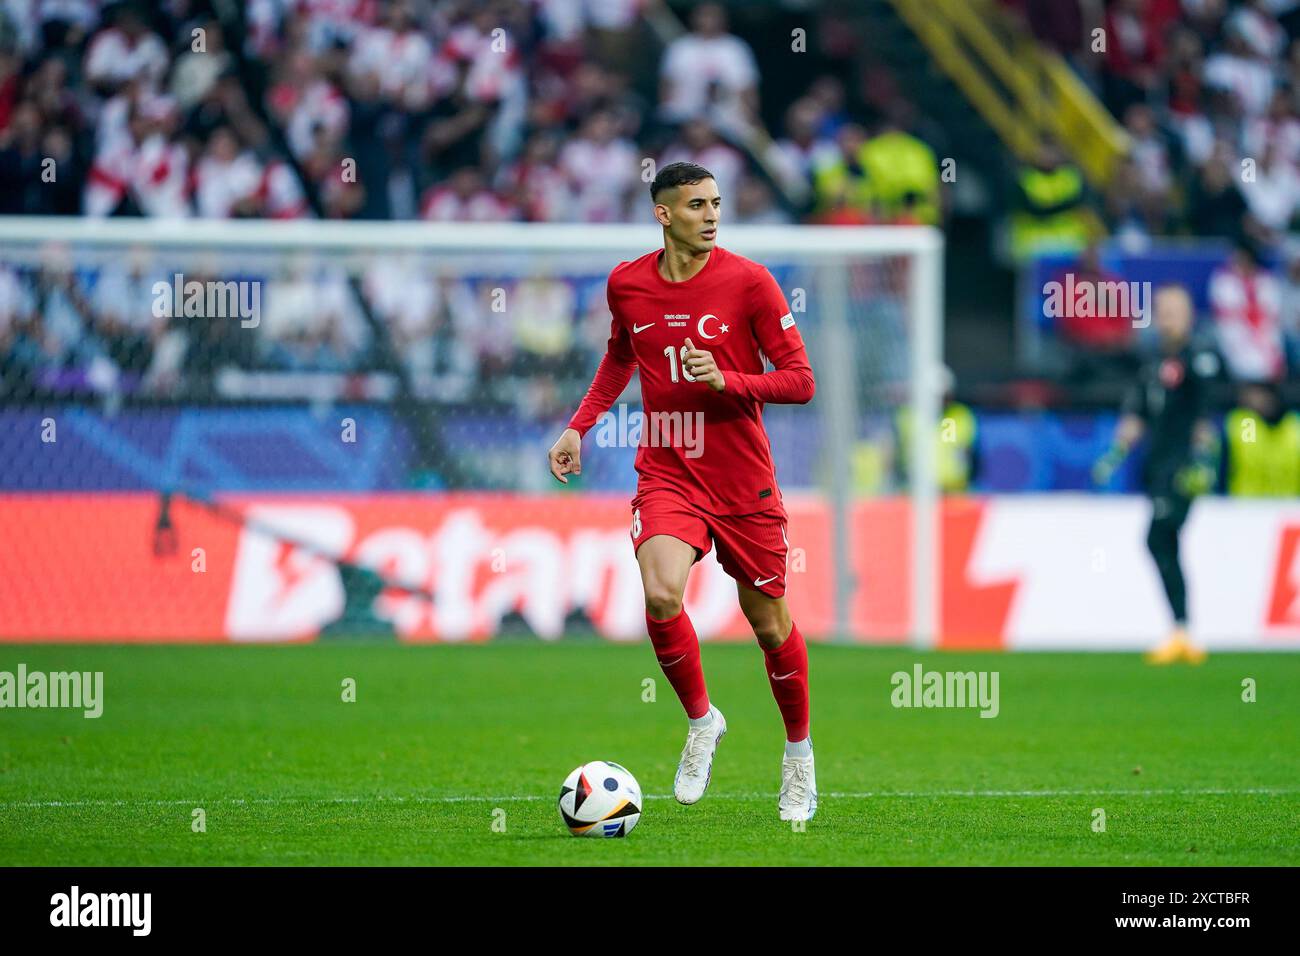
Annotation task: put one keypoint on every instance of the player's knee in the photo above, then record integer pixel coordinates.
(662, 601)
(772, 631)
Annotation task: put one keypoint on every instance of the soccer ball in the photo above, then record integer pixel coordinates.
(600, 799)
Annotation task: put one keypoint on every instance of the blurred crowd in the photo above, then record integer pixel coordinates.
(442, 110)
(119, 327)
(454, 110)
(559, 111)
(1208, 93)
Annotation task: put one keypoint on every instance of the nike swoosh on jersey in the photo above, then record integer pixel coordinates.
(640, 328)
(783, 676)
(758, 583)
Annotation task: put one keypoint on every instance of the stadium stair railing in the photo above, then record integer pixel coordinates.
(1022, 90)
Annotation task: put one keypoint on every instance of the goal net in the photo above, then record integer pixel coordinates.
(268, 430)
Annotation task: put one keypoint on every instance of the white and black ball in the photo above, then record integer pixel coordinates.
(600, 799)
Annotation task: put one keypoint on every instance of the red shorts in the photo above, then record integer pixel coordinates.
(752, 548)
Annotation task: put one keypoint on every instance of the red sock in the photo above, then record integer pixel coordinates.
(787, 672)
(678, 650)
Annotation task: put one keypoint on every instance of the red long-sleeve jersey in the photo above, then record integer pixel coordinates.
(710, 447)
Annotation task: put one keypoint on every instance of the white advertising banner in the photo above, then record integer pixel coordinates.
(1083, 577)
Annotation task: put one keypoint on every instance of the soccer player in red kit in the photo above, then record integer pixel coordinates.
(697, 321)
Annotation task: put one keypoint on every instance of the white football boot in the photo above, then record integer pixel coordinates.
(798, 799)
(696, 765)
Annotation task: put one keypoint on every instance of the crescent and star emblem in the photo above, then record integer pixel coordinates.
(702, 326)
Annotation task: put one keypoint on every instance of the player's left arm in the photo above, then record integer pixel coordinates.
(1201, 474)
(792, 381)
(1206, 370)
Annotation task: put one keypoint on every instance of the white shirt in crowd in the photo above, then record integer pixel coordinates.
(309, 300)
(1247, 323)
(1273, 194)
(1152, 161)
(280, 192)
(220, 185)
(565, 20)
(705, 74)
(601, 177)
(320, 104)
(16, 299)
(126, 295)
(1262, 33)
(1282, 136)
(444, 204)
(161, 182)
(155, 174)
(541, 189)
(403, 292)
(1251, 80)
(400, 61)
(29, 16)
(113, 58)
(331, 21)
(797, 162)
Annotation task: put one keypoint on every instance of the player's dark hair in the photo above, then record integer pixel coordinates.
(678, 174)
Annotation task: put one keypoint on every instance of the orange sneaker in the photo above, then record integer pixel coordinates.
(1178, 647)
(1169, 652)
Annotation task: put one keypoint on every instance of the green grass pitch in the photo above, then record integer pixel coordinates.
(455, 755)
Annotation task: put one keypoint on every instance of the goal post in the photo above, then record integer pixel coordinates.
(404, 298)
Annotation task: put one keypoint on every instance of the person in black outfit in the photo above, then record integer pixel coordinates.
(1169, 403)
(1215, 204)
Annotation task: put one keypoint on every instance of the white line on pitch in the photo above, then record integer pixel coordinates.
(517, 798)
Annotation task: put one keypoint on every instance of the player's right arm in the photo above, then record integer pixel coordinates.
(612, 376)
(1201, 474)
